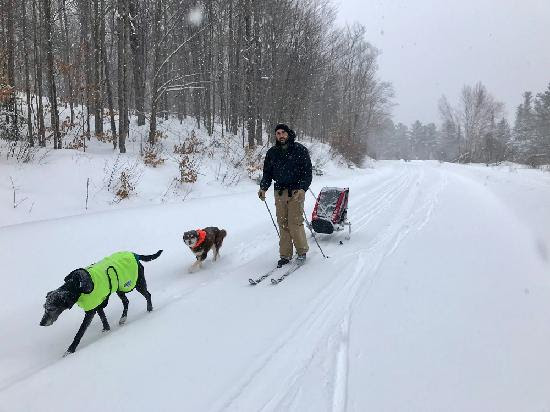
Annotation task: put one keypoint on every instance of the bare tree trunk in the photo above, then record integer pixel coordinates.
(37, 34)
(51, 74)
(195, 92)
(122, 66)
(222, 90)
(137, 37)
(156, 72)
(234, 67)
(27, 75)
(85, 50)
(165, 75)
(10, 46)
(182, 95)
(248, 56)
(96, 91)
(205, 95)
(211, 86)
(258, 83)
(69, 69)
(107, 73)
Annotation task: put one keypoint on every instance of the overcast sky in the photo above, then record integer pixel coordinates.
(434, 47)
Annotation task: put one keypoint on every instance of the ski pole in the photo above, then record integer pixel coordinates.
(277, 230)
(312, 194)
(313, 234)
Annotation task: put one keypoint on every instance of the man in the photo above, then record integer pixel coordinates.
(289, 165)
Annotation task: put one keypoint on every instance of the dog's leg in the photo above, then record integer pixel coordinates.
(124, 300)
(85, 323)
(195, 266)
(103, 318)
(217, 246)
(202, 258)
(198, 263)
(215, 254)
(141, 287)
(218, 243)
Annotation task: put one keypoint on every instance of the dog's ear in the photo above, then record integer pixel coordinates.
(79, 280)
(70, 277)
(72, 280)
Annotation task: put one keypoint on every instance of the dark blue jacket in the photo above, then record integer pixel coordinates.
(290, 168)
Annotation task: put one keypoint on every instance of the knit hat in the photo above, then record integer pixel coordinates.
(283, 127)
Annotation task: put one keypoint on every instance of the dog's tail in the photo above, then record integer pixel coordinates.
(147, 258)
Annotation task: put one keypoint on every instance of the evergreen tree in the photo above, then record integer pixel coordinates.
(430, 141)
(524, 128)
(525, 119)
(448, 142)
(542, 123)
(416, 137)
(503, 136)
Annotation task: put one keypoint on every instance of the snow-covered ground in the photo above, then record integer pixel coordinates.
(439, 302)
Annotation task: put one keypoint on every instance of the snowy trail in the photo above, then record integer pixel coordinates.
(330, 338)
(480, 327)
(328, 314)
(162, 288)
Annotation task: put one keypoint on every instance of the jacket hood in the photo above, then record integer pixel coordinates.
(291, 136)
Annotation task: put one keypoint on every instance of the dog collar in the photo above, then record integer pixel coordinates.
(202, 236)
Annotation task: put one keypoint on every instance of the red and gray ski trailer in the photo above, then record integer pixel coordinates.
(330, 213)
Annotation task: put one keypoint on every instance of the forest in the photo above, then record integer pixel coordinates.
(240, 63)
(73, 69)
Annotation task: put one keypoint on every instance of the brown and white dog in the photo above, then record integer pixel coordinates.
(200, 242)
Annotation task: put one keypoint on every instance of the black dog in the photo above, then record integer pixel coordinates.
(200, 242)
(90, 288)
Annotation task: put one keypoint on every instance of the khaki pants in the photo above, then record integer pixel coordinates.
(290, 218)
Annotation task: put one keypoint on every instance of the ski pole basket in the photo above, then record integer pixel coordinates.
(331, 211)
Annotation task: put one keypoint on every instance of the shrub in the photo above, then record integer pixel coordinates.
(187, 158)
(125, 186)
(152, 155)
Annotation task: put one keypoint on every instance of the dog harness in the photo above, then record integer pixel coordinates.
(202, 236)
(118, 272)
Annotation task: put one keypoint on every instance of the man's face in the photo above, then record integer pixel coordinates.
(281, 136)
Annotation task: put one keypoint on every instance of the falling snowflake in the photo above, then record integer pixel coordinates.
(196, 15)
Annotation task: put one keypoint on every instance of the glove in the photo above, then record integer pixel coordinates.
(261, 195)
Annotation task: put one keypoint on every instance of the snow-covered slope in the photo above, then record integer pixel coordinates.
(59, 183)
(440, 301)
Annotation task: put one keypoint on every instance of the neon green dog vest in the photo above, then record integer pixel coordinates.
(118, 272)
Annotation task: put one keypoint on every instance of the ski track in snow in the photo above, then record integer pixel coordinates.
(380, 193)
(328, 317)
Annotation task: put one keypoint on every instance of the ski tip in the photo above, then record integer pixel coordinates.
(252, 282)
